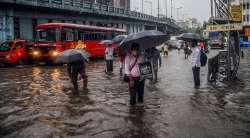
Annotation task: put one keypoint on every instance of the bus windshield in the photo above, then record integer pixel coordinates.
(6, 46)
(44, 35)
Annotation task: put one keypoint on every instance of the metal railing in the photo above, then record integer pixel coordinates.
(87, 7)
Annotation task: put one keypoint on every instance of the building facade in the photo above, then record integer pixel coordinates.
(122, 4)
(246, 19)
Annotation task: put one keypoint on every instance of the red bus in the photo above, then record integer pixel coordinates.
(53, 38)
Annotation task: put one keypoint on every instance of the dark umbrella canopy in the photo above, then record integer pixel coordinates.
(190, 36)
(72, 55)
(119, 38)
(146, 39)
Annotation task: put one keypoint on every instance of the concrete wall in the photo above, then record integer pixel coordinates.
(26, 29)
(40, 21)
(6, 23)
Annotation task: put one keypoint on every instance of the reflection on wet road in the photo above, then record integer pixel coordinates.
(37, 102)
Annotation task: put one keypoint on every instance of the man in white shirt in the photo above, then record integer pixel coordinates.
(109, 52)
(179, 46)
(196, 64)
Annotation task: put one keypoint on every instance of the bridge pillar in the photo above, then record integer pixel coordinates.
(120, 26)
(6, 24)
(141, 27)
(26, 32)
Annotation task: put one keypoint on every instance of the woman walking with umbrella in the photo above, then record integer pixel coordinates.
(136, 85)
(133, 45)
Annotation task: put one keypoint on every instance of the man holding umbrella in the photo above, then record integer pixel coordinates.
(75, 60)
(74, 69)
(196, 64)
(196, 54)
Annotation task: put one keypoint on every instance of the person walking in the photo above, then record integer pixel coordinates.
(179, 46)
(186, 50)
(109, 57)
(122, 56)
(165, 50)
(154, 57)
(74, 69)
(136, 84)
(196, 64)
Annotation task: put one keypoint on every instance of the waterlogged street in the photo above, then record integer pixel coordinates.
(36, 102)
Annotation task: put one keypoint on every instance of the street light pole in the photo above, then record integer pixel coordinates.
(150, 2)
(171, 9)
(166, 4)
(142, 2)
(158, 9)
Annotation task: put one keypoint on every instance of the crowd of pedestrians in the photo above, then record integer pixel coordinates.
(130, 66)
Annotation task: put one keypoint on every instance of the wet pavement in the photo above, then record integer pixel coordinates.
(36, 102)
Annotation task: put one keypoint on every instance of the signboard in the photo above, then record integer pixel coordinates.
(247, 31)
(146, 70)
(224, 27)
(236, 12)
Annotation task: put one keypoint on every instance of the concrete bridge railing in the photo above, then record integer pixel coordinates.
(87, 7)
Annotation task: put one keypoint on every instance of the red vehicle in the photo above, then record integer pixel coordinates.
(15, 52)
(53, 38)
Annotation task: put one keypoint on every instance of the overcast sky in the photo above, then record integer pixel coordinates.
(199, 9)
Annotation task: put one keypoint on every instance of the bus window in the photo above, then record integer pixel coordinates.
(67, 34)
(105, 36)
(44, 35)
(88, 36)
(81, 35)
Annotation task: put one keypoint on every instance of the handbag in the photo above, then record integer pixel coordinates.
(126, 78)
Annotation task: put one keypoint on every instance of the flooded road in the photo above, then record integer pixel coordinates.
(36, 102)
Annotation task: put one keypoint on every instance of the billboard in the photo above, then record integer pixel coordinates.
(236, 12)
(247, 31)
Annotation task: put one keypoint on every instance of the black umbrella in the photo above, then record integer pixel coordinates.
(119, 38)
(190, 36)
(146, 39)
(72, 55)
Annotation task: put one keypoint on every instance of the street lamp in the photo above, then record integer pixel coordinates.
(150, 2)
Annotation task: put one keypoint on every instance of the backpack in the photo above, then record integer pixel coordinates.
(203, 58)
